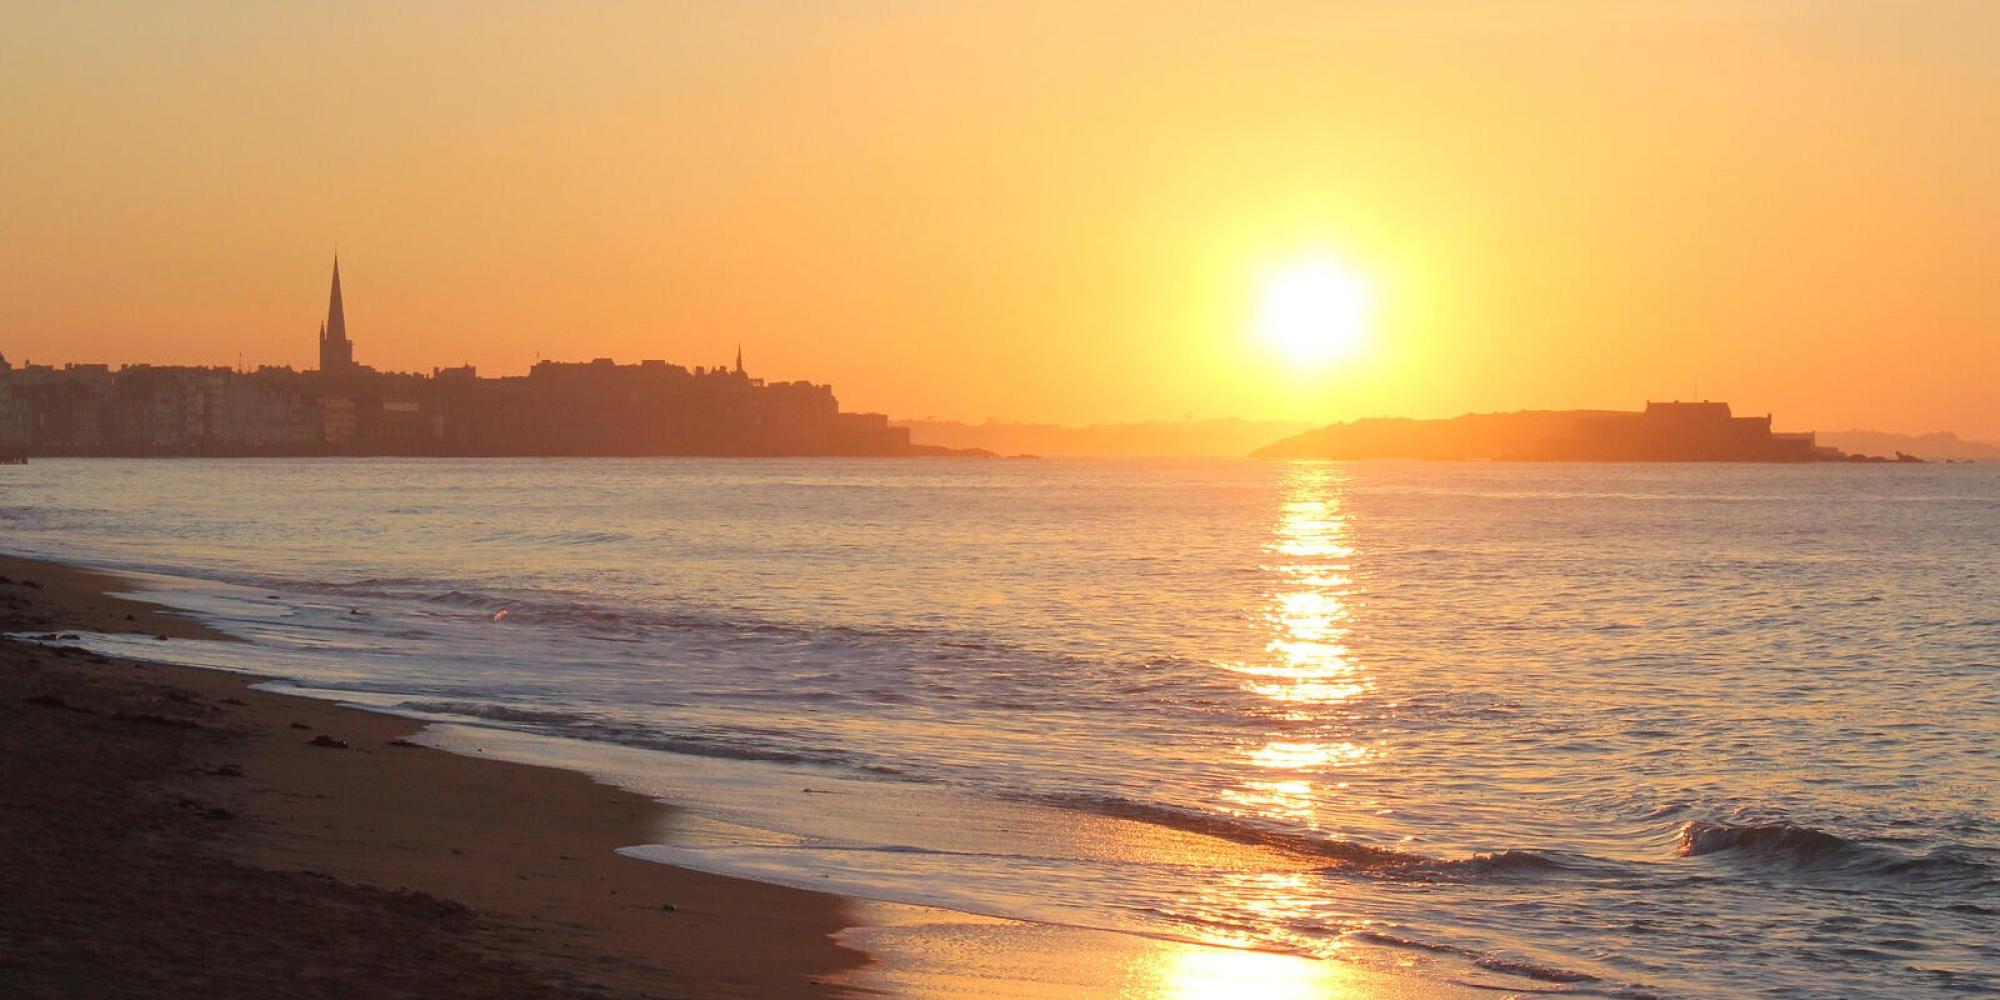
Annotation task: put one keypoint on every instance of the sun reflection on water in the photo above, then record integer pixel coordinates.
(1309, 674)
(1223, 974)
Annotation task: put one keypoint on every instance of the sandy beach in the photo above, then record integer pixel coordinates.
(168, 832)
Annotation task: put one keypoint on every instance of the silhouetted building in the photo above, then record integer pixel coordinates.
(1679, 432)
(558, 408)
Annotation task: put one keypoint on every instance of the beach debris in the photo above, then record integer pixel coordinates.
(501, 615)
(323, 740)
(6, 579)
(300, 725)
(131, 618)
(227, 771)
(669, 908)
(71, 635)
(233, 701)
(31, 585)
(400, 742)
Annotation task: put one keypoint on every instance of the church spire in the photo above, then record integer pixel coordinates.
(739, 358)
(336, 354)
(336, 317)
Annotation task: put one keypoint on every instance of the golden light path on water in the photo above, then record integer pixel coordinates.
(960, 956)
(1308, 680)
(1309, 672)
(1222, 974)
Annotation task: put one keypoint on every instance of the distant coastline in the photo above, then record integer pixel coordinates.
(1938, 445)
(1676, 431)
(595, 408)
(1217, 438)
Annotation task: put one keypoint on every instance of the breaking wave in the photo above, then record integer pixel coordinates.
(1803, 847)
(1775, 840)
(1347, 857)
(576, 725)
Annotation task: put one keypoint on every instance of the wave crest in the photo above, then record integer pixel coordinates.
(1806, 847)
(1786, 840)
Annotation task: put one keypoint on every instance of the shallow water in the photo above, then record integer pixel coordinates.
(1633, 730)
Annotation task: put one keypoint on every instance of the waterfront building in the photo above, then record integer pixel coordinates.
(344, 408)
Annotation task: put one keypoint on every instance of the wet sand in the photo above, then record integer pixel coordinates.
(941, 955)
(167, 832)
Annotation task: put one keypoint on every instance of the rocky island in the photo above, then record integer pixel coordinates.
(1662, 432)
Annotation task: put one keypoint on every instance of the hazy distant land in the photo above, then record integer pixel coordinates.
(1229, 437)
(1472, 436)
(1937, 445)
(1672, 432)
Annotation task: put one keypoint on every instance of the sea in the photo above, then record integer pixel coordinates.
(1594, 730)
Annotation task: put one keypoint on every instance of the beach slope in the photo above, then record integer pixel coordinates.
(168, 832)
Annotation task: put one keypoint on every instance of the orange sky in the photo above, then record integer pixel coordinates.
(1052, 212)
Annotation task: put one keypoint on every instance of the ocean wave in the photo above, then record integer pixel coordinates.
(1231, 829)
(1537, 971)
(555, 539)
(1349, 857)
(1505, 862)
(1012, 677)
(1791, 845)
(1776, 840)
(1009, 676)
(586, 726)
(500, 713)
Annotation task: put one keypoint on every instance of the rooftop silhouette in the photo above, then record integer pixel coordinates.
(596, 407)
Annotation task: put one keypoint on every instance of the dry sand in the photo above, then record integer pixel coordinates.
(167, 832)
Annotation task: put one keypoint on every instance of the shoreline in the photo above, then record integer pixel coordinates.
(390, 867)
(540, 903)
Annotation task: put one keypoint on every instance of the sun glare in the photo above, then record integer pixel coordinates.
(1316, 311)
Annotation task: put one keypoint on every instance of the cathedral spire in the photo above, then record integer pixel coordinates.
(336, 354)
(336, 317)
(739, 358)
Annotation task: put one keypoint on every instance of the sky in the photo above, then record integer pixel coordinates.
(1062, 212)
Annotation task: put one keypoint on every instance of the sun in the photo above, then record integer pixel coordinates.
(1316, 311)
